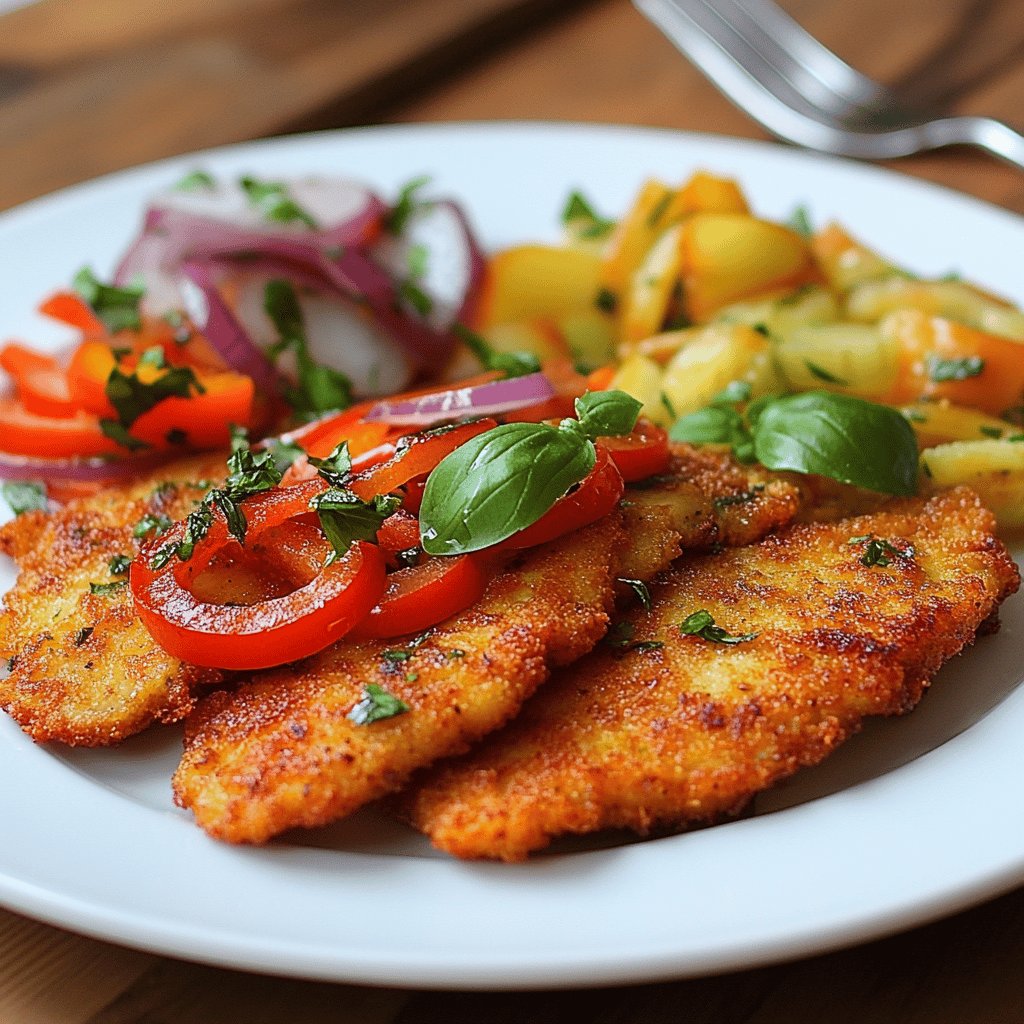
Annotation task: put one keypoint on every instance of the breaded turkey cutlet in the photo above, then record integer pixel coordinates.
(281, 749)
(830, 623)
(83, 668)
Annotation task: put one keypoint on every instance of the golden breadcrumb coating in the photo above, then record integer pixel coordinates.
(688, 730)
(83, 668)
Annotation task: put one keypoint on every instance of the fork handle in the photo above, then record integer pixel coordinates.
(986, 133)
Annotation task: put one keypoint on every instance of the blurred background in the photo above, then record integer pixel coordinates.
(92, 86)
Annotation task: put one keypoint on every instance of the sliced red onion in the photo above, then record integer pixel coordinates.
(220, 220)
(220, 223)
(210, 313)
(491, 399)
(94, 470)
(454, 262)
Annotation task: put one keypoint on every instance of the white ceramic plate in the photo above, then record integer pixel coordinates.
(911, 820)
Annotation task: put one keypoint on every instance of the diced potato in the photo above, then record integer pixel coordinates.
(633, 236)
(732, 256)
(942, 358)
(844, 261)
(942, 422)
(852, 358)
(992, 468)
(710, 194)
(539, 336)
(955, 300)
(712, 358)
(590, 338)
(642, 378)
(810, 305)
(646, 301)
(530, 281)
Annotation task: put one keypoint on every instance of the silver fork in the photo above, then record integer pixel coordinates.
(762, 60)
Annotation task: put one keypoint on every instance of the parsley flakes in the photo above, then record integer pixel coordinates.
(376, 705)
(702, 624)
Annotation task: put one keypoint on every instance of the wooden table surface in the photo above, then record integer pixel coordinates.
(91, 86)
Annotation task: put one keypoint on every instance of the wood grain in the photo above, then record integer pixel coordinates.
(91, 86)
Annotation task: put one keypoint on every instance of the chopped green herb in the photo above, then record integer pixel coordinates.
(620, 636)
(417, 260)
(320, 388)
(120, 434)
(668, 406)
(643, 646)
(512, 364)
(131, 397)
(640, 589)
(411, 677)
(271, 198)
(396, 654)
(117, 307)
(105, 589)
(406, 206)
(25, 496)
(195, 180)
(456, 652)
(702, 624)
(606, 300)
(412, 295)
(249, 472)
(119, 565)
(284, 453)
(150, 523)
(376, 705)
(658, 210)
(346, 518)
(800, 222)
(822, 374)
(940, 370)
(880, 552)
(336, 468)
(992, 431)
(578, 211)
(742, 498)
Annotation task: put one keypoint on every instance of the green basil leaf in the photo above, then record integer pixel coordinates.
(499, 483)
(607, 413)
(717, 424)
(25, 496)
(841, 437)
